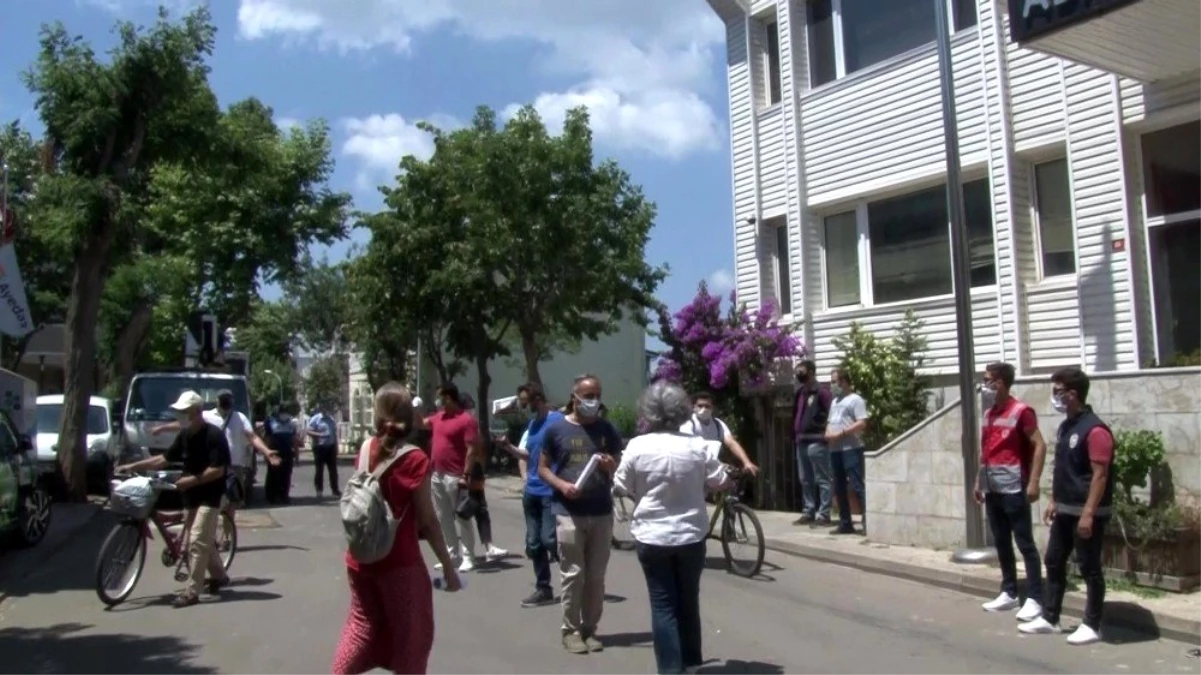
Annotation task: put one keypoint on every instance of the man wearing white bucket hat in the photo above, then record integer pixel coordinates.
(204, 453)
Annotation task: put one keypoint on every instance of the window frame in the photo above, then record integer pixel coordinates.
(1036, 221)
(867, 298)
(771, 78)
(840, 70)
(781, 260)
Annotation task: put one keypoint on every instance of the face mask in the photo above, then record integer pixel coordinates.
(988, 397)
(587, 407)
(1058, 404)
(836, 389)
(284, 417)
(802, 377)
(225, 405)
(704, 416)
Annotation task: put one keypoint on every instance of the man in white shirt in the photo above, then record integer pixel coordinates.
(844, 435)
(710, 428)
(242, 441)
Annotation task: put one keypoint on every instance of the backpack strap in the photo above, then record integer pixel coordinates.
(387, 463)
(365, 454)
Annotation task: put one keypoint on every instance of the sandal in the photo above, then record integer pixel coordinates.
(185, 600)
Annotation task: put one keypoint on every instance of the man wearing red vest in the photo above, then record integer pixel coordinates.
(1012, 451)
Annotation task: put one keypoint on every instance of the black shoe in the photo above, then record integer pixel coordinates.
(214, 586)
(540, 598)
(805, 519)
(843, 530)
(821, 522)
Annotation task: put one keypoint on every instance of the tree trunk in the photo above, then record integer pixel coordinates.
(482, 407)
(529, 348)
(83, 310)
(16, 349)
(130, 344)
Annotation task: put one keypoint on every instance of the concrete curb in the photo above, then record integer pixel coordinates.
(1126, 615)
(35, 558)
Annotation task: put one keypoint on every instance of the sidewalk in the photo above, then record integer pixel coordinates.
(66, 520)
(1174, 616)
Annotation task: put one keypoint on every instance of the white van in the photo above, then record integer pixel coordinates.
(102, 445)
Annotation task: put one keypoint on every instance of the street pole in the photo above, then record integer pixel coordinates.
(960, 272)
(418, 384)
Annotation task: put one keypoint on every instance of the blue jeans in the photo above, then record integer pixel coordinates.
(1011, 520)
(814, 462)
(540, 541)
(847, 467)
(673, 581)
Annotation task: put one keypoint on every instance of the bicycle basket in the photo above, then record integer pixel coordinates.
(133, 498)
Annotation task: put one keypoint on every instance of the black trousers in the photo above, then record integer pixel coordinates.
(278, 486)
(1060, 544)
(325, 458)
(483, 521)
(1011, 521)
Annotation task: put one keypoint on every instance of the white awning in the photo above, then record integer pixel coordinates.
(1145, 40)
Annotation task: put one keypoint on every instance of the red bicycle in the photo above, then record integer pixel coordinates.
(122, 556)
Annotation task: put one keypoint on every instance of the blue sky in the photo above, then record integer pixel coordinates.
(652, 74)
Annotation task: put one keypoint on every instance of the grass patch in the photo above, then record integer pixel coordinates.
(1075, 583)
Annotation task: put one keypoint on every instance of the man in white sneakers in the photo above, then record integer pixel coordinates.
(1012, 452)
(1079, 508)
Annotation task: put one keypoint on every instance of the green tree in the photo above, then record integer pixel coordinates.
(108, 124)
(382, 330)
(269, 334)
(887, 373)
(273, 382)
(318, 294)
(564, 237)
(325, 383)
(45, 264)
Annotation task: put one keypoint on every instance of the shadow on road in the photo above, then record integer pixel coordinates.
(739, 666)
(62, 649)
(718, 564)
(64, 561)
(230, 594)
(270, 547)
(1137, 624)
(627, 639)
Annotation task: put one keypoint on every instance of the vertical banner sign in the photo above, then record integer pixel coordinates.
(15, 320)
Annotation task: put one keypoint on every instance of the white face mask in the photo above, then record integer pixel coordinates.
(1058, 404)
(988, 397)
(704, 415)
(587, 407)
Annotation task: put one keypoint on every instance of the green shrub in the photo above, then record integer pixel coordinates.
(886, 374)
(624, 418)
(1136, 453)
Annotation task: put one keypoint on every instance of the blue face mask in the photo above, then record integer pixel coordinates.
(589, 407)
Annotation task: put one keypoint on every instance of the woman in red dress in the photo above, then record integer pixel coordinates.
(391, 619)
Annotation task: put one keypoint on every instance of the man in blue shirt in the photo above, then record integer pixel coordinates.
(540, 543)
(578, 458)
(283, 436)
(324, 432)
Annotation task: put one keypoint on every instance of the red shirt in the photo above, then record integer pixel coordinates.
(451, 436)
(399, 486)
(1100, 445)
(1005, 442)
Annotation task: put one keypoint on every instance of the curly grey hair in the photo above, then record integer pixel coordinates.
(664, 406)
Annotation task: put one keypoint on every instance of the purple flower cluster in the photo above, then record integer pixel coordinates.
(724, 346)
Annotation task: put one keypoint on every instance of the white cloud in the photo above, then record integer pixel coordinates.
(640, 66)
(721, 282)
(379, 142)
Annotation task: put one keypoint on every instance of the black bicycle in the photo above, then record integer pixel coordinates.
(740, 529)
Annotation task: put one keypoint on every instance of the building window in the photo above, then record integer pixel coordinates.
(846, 36)
(1172, 170)
(1053, 218)
(841, 232)
(909, 247)
(773, 63)
(780, 263)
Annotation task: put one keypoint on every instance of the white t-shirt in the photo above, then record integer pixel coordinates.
(715, 430)
(666, 474)
(845, 411)
(235, 435)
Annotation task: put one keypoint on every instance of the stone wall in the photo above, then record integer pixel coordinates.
(915, 485)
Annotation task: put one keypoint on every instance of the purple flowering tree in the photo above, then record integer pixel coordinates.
(722, 351)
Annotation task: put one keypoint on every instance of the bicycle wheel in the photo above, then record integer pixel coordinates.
(120, 563)
(227, 540)
(623, 512)
(735, 532)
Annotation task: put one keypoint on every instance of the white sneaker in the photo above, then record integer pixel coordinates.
(495, 553)
(1084, 636)
(1039, 626)
(1003, 603)
(467, 565)
(1030, 611)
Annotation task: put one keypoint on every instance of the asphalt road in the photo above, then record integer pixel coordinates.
(286, 609)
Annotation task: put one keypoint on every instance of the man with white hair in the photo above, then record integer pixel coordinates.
(204, 453)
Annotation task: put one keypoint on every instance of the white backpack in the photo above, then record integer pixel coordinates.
(366, 515)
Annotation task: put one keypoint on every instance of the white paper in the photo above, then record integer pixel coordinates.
(15, 320)
(588, 469)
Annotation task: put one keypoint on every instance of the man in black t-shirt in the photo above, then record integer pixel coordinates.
(204, 453)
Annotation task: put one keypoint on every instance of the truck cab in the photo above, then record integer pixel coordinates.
(151, 394)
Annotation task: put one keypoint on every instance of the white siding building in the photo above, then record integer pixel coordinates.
(1081, 177)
